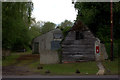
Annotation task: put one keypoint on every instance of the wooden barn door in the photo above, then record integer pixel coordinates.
(36, 47)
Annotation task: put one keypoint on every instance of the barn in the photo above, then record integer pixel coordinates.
(79, 44)
(47, 45)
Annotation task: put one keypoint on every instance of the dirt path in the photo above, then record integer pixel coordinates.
(15, 70)
(23, 69)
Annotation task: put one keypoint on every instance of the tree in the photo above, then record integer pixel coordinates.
(65, 27)
(97, 17)
(35, 30)
(66, 23)
(48, 26)
(16, 19)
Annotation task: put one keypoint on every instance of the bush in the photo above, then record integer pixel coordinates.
(115, 49)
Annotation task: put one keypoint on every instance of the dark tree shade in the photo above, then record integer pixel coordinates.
(16, 17)
(97, 17)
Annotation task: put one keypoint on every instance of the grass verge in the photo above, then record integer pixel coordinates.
(112, 66)
(9, 60)
(12, 59)
(68, 68)
(85, 68)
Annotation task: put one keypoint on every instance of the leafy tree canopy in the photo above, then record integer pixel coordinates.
(16, 19)
(66, 23)
(97, 17)
(48, 26)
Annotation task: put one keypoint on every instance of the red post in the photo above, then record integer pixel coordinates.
(111, 6)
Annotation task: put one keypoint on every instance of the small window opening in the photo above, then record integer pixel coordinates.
(57, 36)
(79, 35)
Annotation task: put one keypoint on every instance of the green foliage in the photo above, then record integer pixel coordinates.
(65, 31)
(48, 26)
(16, 19)
(65, 27)
(40, 28)
(112, 66)
(10, 60)
(60, 54)
(105, 30)
(97, 17)
(115, 49)
(66, 23)
(34, 31)
(70, 68)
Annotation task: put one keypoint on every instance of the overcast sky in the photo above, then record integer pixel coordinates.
(54, 10)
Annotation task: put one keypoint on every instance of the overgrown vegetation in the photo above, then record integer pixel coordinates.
(10, 60)
(16, 19)
(19, 28)
(115, 49)
(97, 17)
(65, 27)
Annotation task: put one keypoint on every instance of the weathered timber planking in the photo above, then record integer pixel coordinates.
(74, 58)
(77, 50)
(78, 53)
(77, 46)
(77, 43)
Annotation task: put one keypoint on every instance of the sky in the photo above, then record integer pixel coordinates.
(55, 11)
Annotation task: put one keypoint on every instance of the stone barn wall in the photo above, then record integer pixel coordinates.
(47, 55)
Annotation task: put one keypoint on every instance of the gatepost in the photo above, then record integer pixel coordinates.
(97, 50)
(98, 56)
(100, 51)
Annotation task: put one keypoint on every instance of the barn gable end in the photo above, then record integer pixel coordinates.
(47, 45)
(78, 44)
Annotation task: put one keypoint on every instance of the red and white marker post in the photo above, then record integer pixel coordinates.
(97, 50)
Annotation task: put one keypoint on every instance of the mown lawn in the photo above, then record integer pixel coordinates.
(68, 68)
(85, 68)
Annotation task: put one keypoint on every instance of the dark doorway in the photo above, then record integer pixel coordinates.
(36, 47)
